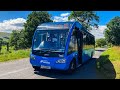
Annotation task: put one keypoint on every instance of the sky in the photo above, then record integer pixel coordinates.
(14, 20)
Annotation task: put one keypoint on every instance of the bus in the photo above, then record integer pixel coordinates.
(61, 45)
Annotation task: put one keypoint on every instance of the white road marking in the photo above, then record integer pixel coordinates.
(13, 71)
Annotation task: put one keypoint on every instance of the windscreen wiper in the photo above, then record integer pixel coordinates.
(42, 50)
(56, 51)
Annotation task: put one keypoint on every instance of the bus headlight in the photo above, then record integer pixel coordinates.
(61, 61)
(32, 57)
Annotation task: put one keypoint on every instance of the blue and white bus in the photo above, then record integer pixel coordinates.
(61, 45)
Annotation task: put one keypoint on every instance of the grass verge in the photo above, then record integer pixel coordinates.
(13, 54)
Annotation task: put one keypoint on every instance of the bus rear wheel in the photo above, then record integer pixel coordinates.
(92, 55)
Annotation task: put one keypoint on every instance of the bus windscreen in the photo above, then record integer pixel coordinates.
(53, 40)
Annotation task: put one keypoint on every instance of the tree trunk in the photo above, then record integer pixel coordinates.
(7, 46)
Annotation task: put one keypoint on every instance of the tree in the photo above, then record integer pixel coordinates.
(108, 36)
(4, 42)
(13, 41)
(86, 18)
(33, 20)
(22, 41)
(100, 42)
(7, 44)
(112, 33)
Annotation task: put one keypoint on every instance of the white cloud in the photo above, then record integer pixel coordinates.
(62, 18)
(12, 24)
(72, 20)
(65, 14)
(99, 33)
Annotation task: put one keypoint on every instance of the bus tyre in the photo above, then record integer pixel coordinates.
(72, 67)
(35, 68)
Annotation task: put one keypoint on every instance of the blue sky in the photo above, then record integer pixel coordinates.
(13, 20)
(105, 16)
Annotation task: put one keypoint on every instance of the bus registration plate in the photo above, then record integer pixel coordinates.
(45, 67)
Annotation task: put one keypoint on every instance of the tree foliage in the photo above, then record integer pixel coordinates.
(100, 42)
(23, 39)
(87, 18)
(13, 41)
(112, 33)
(33, 20)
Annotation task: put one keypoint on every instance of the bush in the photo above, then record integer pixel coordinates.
(100, 42)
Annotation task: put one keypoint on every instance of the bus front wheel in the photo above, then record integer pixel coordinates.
(36, 68)
(72, 66)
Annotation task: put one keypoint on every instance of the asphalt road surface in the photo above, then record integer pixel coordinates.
(22, 69)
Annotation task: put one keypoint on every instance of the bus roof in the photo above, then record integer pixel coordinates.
(55, 25)
(59, 26)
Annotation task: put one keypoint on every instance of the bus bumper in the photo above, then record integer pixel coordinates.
(49, 63)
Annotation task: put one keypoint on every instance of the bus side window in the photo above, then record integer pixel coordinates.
(87, 42)
(73, 44)
(84, 38)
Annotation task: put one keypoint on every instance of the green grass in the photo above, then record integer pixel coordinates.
(109, 63)
(12, 54)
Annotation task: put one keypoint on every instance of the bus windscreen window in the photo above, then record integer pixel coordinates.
(45, 39)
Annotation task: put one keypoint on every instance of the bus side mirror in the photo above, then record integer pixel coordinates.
(76, 28)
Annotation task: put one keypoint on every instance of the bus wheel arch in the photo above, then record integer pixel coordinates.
(72, 66)
(92, 54)
(36, 68)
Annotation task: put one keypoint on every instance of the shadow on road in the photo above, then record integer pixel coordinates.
(86, 71)
(107, 68)
(58, 74)
(100, 50)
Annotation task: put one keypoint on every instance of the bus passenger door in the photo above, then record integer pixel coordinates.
(80, 45)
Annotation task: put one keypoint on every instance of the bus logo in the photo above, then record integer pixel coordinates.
(44, 61)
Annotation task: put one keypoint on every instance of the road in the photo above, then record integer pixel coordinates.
(21, 69)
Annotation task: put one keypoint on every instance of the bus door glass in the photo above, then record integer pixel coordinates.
(79, 45)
